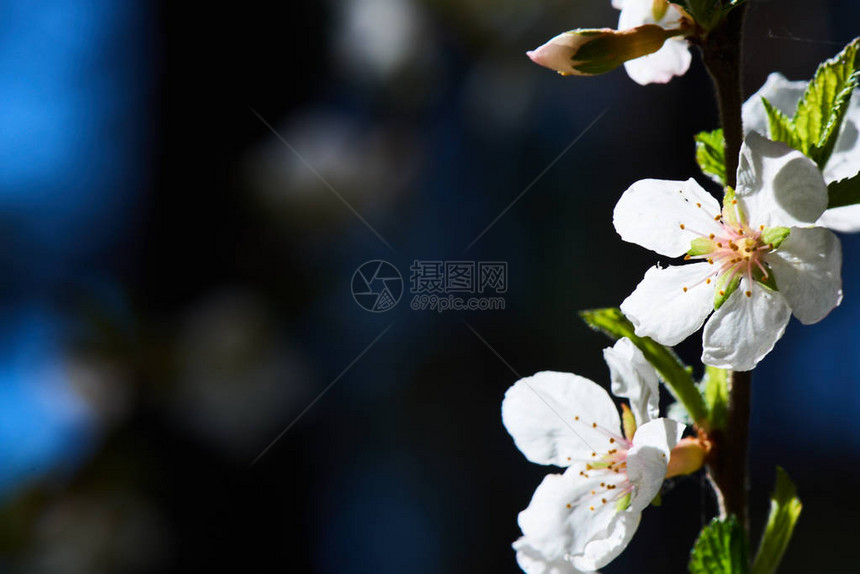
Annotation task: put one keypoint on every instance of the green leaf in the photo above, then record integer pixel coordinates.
(821, 110)
(675, 374)
(823, 106)
(785, 509)
(716, 391)
(727, 284)
(711, 154)
(781, 127)
(844, 192)
(720, 549)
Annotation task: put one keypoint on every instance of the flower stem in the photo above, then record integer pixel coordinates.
(727, 463)
(721, 52)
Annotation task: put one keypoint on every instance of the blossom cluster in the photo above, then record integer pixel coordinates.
(763, 254)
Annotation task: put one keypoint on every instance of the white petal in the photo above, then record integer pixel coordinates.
(540, 413)
(780, 92)
(532, 561)
(559, 520)
(660, 308)
(843, 219)
(604, 549)
(745, 329)
(808, 271)
(619, 4)
(648, 459)
(651, 213)
(777, 185)
(673, 59)
(638, 12)
(634, 378)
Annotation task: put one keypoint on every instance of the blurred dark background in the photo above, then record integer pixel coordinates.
(176, 283)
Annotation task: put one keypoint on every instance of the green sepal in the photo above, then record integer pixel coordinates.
(701, 246)
(608, 49)
(721, 548)
(659, 9)
(706, 13)
(774, 236)
(732, 212)
(785, 509)
(844, 192)
(628, 422)
(768, 281)
(716, 392)
(623, 503)
(727, 284)
(711, 154)
(658, 500)
(677, 376)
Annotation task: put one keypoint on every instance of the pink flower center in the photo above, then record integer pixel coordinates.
(611, 468)
(737, 250)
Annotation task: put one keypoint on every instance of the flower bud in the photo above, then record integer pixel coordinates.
(592, 51)
(687, 457)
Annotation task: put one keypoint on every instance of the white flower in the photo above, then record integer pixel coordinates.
(582, 519)
(758, 259)
(673, 59)
(845, 160)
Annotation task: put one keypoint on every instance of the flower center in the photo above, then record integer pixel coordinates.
(737, 250)
(615, 487)
(610, 468)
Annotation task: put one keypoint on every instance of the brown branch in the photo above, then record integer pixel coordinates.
(721, 53)
(727, 462)
(728, 465)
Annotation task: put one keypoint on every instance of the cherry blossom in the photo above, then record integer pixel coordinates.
(581, 519)
(756, 261)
